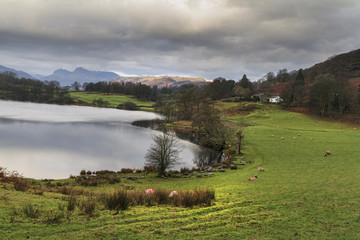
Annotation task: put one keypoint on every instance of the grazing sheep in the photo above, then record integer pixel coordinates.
(150, 191)
(294, 138)
(282, 138)
(173, 193)
(261, 169)
(327, 153)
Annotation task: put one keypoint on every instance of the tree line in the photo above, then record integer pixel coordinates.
(329, 95)
(138, 90)
(22, 89)
(326, 94)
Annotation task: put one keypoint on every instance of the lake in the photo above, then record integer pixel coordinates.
(53, 141)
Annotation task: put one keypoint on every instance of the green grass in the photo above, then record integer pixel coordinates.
(301, 194)
(113, 99)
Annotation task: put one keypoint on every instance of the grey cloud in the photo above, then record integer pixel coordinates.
(195, 38)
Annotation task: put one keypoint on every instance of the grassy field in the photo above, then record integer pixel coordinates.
(301, 194)
(113, 99)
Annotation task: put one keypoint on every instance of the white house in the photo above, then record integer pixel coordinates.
(275, 99)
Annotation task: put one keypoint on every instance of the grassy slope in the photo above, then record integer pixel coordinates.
(113, 99)
(301, 194)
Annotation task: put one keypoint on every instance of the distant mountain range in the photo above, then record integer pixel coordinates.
(346, 65)
(19, 74)
(81, 75)
(163, 81)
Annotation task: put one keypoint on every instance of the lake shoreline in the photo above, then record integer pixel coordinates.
(53, 141)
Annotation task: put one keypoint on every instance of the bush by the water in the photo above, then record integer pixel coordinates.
(15, 178)
(128, 106)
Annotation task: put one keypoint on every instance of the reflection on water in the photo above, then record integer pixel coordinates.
(206, 157)
(46, 144)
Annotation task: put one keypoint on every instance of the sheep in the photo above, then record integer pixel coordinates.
(150, 191)
(173, 193)
(253, 178)
(327, 153)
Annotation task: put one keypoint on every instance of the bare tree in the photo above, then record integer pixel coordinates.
(163, 153)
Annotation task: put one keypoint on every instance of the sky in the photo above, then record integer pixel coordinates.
(197, 38)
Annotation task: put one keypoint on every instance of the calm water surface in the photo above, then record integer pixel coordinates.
(52, 141)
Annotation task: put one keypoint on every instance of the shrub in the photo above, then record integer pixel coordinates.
(53, 217)
(197, 197)
(149, 200)
(20, 185)
(30, 210)
(226, 162)
(195, 169)
(90, 180)
(39, 191)
(128, 106)
(137, 198)
(113, 179)
(185, 170)
(187, 199)
(204, 196)
(71, 203)
(233, 167)
(88, 206)
(126, 170)
(151, 169)
(117, 201)
(65, 190)
(14, 178)
(161, 196)
(13, 214)
(83, 172)
(2, 172)
(173, 172)
(215, 165)
(104, 172)
(122, 199)
(100, 102)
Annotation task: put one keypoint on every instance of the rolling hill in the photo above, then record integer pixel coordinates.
(163, 81)
(342, 66)
(346, 65)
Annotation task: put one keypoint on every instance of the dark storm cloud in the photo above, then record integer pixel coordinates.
(195, 38)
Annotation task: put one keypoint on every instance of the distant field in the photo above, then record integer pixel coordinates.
(114, 100)
(301, 194)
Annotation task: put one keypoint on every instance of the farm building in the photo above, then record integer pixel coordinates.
(275, 99)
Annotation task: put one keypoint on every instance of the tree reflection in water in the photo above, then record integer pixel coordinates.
(206, 157)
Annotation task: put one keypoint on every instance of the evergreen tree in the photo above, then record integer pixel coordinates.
(299, 88)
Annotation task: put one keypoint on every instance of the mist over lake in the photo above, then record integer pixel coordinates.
(53, 141)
